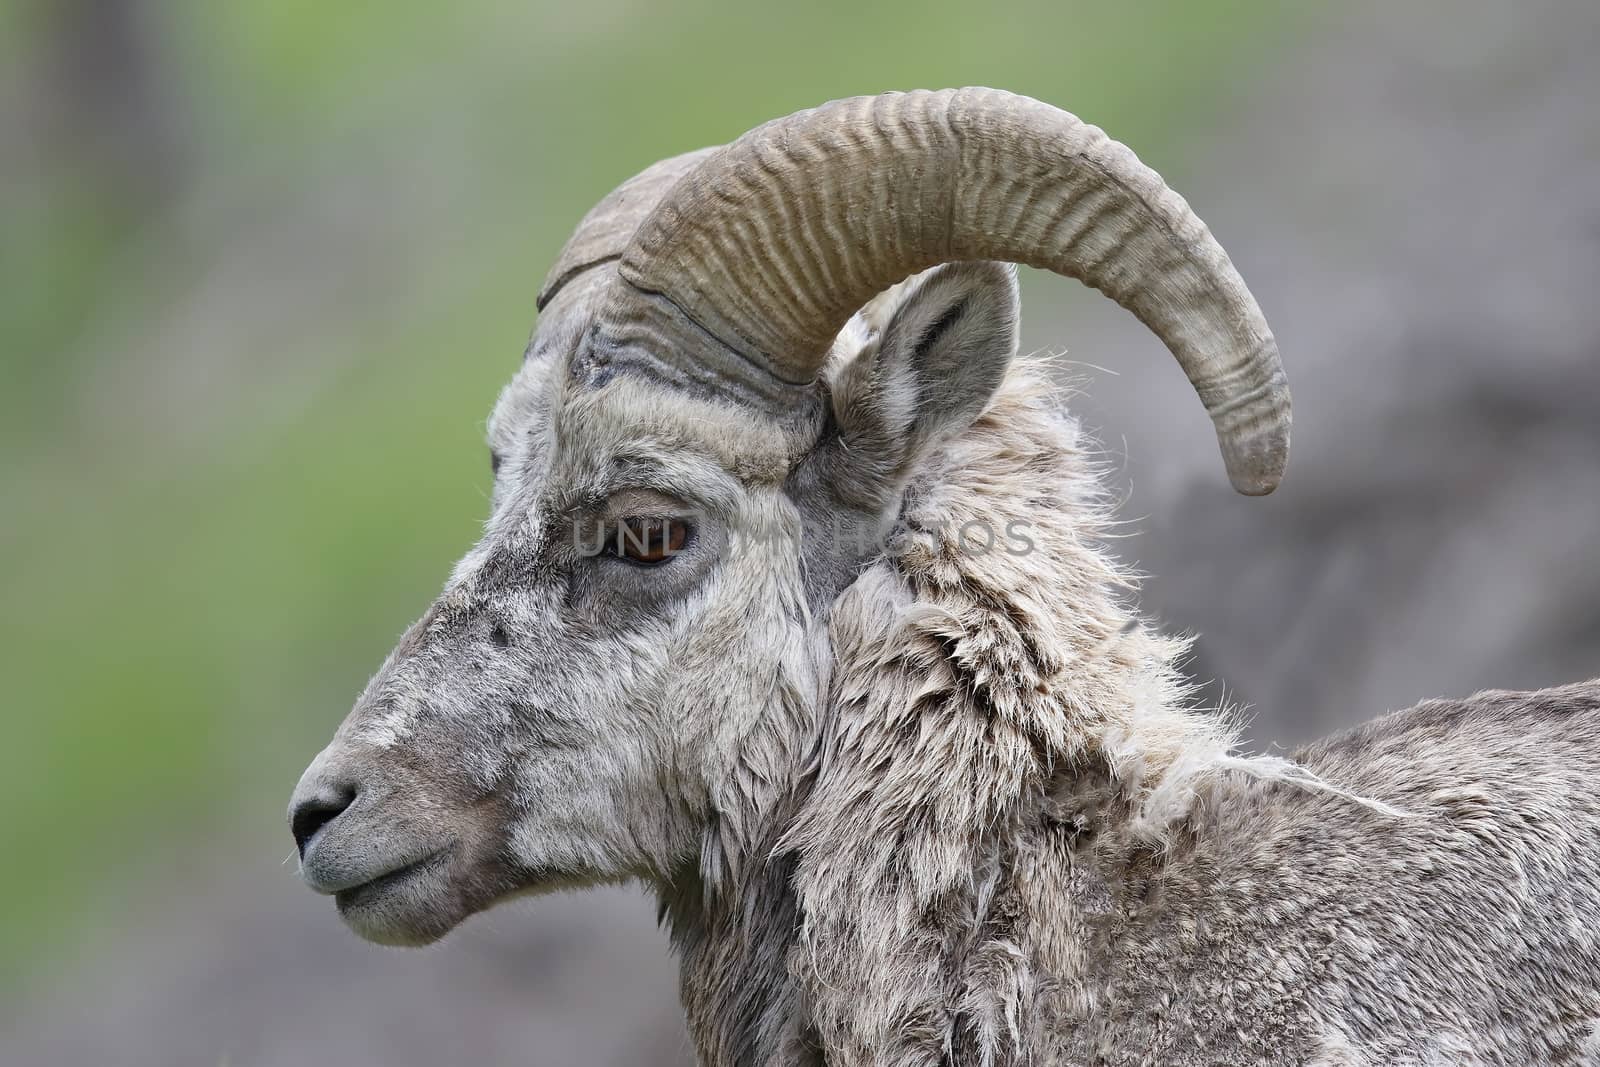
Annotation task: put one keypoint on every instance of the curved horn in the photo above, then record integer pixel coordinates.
(605, 231)
(770, 245)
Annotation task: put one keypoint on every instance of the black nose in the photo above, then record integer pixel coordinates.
(317, 811)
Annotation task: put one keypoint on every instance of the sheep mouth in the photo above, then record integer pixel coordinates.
(410, 905)
(376, 887)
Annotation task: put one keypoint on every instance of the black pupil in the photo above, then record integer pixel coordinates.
(649, 540)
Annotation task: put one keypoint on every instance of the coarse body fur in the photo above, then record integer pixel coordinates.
(916, 800)
(1018, 845)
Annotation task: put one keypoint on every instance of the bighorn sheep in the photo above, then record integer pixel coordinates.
(909, 794)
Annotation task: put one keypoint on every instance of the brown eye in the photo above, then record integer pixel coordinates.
(649, 540)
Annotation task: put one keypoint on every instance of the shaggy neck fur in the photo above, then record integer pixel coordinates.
(1000, 732)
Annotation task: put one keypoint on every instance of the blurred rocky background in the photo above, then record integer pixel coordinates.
(264, 266)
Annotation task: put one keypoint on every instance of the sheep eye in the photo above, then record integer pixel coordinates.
(648, 540)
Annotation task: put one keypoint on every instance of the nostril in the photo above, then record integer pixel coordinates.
(313, 813)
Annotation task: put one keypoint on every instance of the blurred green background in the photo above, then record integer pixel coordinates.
(265, 266)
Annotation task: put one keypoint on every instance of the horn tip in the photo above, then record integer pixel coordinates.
(1256, 461)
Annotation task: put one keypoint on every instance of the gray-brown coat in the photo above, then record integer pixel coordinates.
(802, 619)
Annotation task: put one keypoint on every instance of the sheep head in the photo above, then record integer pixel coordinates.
(727, 395)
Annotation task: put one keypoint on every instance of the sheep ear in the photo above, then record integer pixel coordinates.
(947, 347)
(920, 379)
(898, 392)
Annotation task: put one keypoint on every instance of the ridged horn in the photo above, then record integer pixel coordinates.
(773, 242)
(605, 231)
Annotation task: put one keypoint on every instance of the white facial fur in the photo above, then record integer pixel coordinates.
(561, 718)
